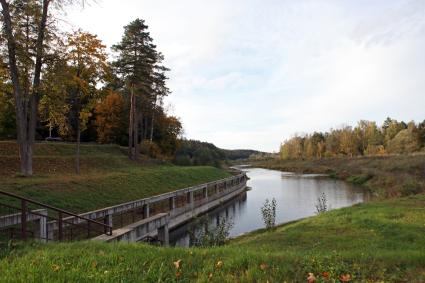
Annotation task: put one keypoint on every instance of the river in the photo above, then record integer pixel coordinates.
(296, 196)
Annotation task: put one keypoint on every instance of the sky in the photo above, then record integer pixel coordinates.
(252, 73)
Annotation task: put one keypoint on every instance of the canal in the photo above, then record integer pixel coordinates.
(296, 196)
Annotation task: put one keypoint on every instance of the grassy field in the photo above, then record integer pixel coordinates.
(376, 242)
(108, 177)
(385, 176)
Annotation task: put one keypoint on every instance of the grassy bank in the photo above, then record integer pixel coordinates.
(386, 176)
(107, 176)
(375, 242)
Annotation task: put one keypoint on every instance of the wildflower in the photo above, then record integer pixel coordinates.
(345, 277)
(177, 264)
(311, 278)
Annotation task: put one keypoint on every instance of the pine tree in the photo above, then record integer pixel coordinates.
(136, 57)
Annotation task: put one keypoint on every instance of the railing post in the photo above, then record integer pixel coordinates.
(88, 229)
(146, 210)
(24, 219)
(43, 226)
(60, 228)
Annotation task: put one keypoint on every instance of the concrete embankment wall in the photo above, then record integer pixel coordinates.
(180, 205)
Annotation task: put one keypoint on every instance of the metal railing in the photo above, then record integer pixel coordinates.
(23, 218)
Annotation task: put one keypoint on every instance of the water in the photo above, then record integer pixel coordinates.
(296, 196)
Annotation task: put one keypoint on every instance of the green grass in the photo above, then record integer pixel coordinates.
(375, 242)
(107, 177)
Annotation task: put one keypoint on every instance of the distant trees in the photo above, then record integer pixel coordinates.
(366, 138)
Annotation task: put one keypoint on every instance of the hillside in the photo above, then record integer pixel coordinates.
(108, 177)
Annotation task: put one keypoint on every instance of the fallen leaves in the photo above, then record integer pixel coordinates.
(219, 264)
(55, 267)
(178, 274)
(345, 277)
(177, 264)
(311, 278)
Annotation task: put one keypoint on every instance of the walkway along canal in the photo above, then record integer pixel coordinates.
(132, 221)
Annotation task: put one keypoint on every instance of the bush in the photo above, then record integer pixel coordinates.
(322, 204)
(269, 213)
(150, 149)
(210, 236)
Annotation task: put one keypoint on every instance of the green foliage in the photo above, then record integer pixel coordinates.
(359, 179)
(209, 235)
(7, 117)
(192, 152)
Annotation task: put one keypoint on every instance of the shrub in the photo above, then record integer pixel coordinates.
(322, 204)
(268, 210)
(208, 235)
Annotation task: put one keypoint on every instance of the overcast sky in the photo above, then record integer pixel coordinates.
(251, 73)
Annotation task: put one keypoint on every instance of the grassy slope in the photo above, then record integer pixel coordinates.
(107, 177)
(386, 176)
(375, 242)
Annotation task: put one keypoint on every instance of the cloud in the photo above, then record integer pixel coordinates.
(250, 73)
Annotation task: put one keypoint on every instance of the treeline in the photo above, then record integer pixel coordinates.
(367, 138)
(56, 84)
(193, 152)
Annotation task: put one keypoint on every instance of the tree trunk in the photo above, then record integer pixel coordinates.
(26, 113)
(135, 130)
(77, 154)
(131, 124)
(153, 118)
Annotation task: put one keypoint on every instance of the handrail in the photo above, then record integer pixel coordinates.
(54, 208)
(106, 228)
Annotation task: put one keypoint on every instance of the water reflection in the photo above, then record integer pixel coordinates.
(296, 196)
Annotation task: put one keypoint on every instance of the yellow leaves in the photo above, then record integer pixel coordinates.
(55, 267)
(177, 264)
(219, 264)
(311, 278)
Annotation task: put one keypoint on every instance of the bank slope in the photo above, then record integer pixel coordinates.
(107, 177)
(375, 242)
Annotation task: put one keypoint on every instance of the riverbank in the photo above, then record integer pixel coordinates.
(107, 176)
(370, 242)
(383, 176)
